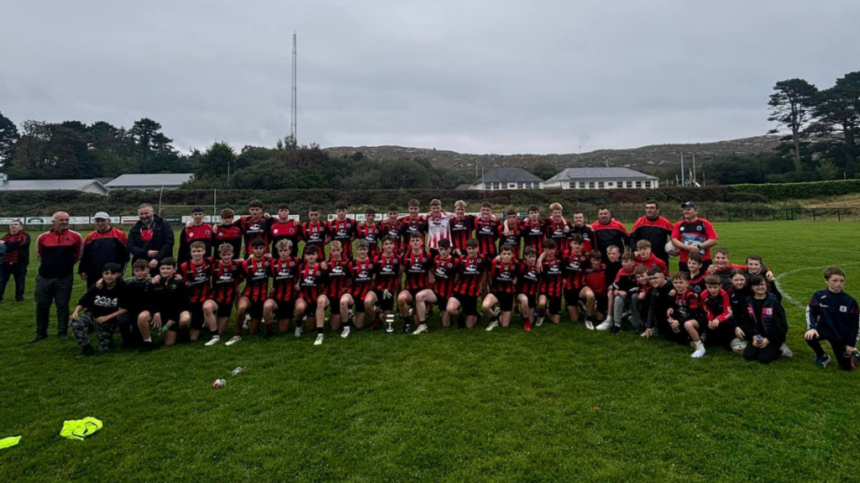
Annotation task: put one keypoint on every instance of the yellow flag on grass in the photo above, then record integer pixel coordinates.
(80, 428)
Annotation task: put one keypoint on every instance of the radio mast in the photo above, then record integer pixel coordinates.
(293, 103)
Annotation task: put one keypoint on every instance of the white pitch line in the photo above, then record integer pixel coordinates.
(790, 272)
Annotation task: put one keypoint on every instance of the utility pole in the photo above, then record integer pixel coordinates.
(683, 175)
(694, 166)
(293, 98)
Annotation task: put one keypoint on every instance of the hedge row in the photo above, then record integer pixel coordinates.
(126, 202)
(787, 191)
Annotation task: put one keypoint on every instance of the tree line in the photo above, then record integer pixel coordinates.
(819, 128)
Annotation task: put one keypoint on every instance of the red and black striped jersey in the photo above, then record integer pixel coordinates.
(344, 232)
(315, 234)
(595, 279)
(388, 273)
(487, 232)
(445, 274)
(253, 229)
(284, 272)
(256, 279)
(533, 235)
(392, 229)
(416, 266)
(513, 238)
(409, 225)
(503, 276)
(462, 229)
(197, 279)
(231, 234)
(225, 281)
(285, 231)
(552, 277)
(371, 234)
(528, 279)
(574, 269)
(311, 282)
(471, 275)
(361, 275)
(338, 276)
(554, 230)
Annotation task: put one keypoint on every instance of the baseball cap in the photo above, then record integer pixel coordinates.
(689, 204)
(101, 215)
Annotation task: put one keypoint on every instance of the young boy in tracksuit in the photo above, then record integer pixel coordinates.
(721, 324)
(103, 307)
(832, 315)
(135, 290)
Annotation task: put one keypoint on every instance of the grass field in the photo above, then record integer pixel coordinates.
(558, 404)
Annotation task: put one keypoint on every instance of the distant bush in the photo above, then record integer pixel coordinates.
(815, 189)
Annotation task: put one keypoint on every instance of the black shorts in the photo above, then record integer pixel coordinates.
(285, 310)
(169, 316)
(571, 297)
(468, 304)
(506, 301)
(196, 311)
(413, 292)
(386, 305)
(358, 305)
(255, 310)
(333, 306)
(553, 304)
(310, 308)
(224, 309)
(441, 302)
(601, 303)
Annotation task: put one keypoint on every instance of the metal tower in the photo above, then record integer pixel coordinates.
(293, 103)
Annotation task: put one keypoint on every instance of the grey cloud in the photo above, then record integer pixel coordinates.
(477, 76)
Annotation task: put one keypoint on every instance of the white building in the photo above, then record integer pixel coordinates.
(507, 179)
(601, 178)
(84, 185)
(149, 182)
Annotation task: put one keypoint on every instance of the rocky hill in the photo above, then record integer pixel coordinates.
(647, 158)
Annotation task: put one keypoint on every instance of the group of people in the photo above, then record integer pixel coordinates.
(360, 274)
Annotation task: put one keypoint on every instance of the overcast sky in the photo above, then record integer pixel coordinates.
(470, 76)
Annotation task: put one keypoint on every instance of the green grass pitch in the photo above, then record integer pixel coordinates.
(558, 404)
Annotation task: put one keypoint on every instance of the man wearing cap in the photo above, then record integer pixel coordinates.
(654, 228)
(58, 251)
(107, 244)
(150, 239)
(693, 235)
(197, 230)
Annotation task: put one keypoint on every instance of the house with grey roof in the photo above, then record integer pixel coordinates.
(84, 185)
(507, 178)
(601, 178)
(149, 182)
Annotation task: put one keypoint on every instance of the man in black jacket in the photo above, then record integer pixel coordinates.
(105, 245)
(150, 239)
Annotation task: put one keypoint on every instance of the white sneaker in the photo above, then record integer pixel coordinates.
(298, 331)
(247, 322)
(605, 325)
(589, 325)
(496, 312)
(215, 339)
(318, 340)
(786, 352)
(233, 340)
(700, 350)
(642, 335)
(493, 324)
(539, 321)
(345, 332)
(422, 328)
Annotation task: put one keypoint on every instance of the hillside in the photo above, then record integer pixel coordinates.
(643, 158)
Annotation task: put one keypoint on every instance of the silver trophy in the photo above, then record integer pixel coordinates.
(389, 320)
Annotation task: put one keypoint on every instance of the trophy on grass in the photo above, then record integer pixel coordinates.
(389, 321)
